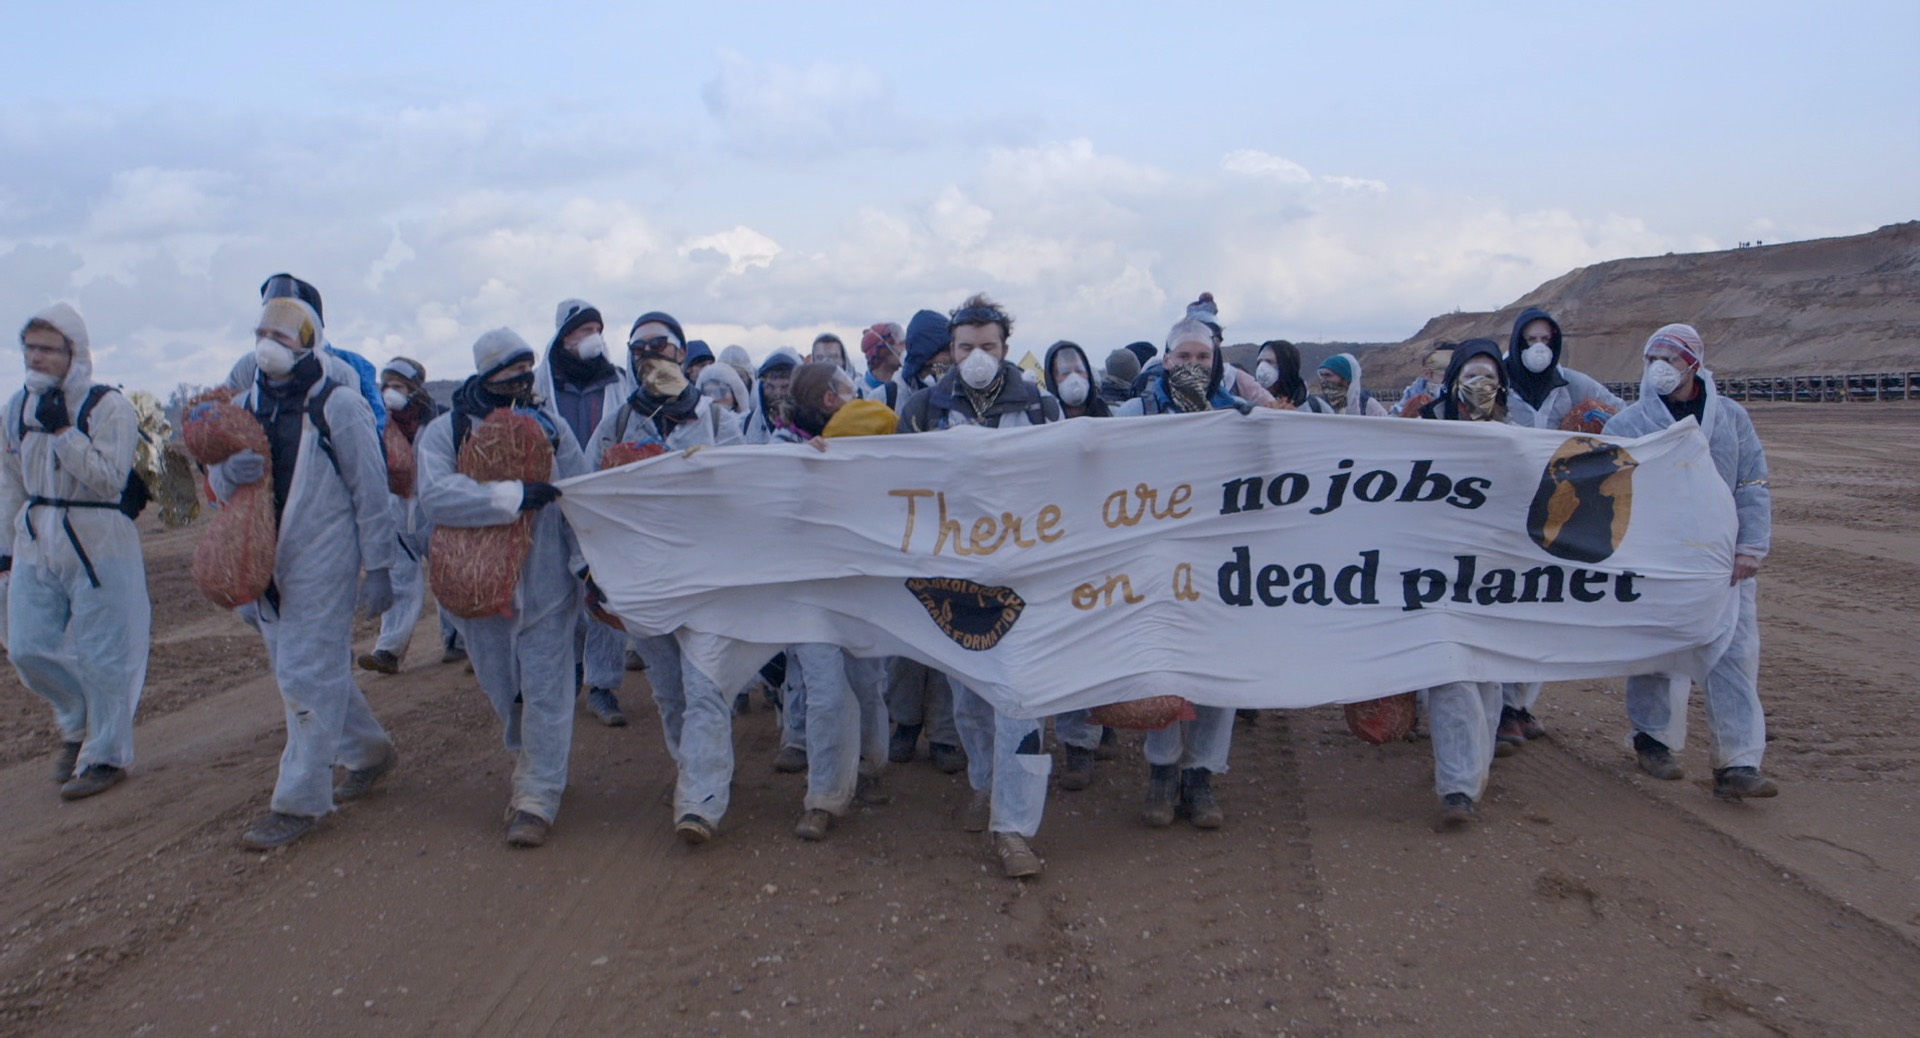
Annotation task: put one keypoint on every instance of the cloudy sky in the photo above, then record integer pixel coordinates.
(1329, 171)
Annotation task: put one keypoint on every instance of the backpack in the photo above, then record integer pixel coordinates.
(135, 494)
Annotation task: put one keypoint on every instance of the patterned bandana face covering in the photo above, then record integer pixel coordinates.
(1187, 385)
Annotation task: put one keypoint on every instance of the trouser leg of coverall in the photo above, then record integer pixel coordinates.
(603, 653)
(84, 650)
(1463, 717)
(664, 675)
(1076, 728)
(527, 676)
(409, 598)
(328, 719)
(1203, 742)
(1656, 703)
(868, 677)
(1018, 768)
(1520, 695)
(833, 725)
(705, 755)
(918, 694)
(793, 709)
(973, 722)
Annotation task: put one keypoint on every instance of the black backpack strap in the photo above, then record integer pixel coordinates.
(317, 414)
(94, 393)
(893, 395)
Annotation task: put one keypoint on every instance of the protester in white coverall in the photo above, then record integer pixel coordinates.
(1341, 388)
(1463, 715)
(409, 409)
(1678, 385)
(1006, 764)
(524, 661)
(78, 616)
(1544, 392)
(330, 495)
(1182, 758)
(846, 713)
(577, 385)
(696, 717)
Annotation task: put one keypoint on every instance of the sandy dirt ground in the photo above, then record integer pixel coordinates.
(1589, 899)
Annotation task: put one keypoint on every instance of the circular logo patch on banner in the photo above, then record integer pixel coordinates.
(976, 616)
(1585, 500)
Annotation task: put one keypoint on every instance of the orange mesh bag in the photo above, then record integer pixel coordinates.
(1588, 416)
(400, 465)
(1384, 720)
(474, 570)
(1149, 713)
(233, 563)
(619, 454)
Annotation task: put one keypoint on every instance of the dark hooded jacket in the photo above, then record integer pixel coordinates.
(1533, 388)
(1095, 406)
(1446, 406)
(930, 409)
(927, 334)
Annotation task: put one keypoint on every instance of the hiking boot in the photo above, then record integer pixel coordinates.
(66, 761)
(1017, 859)
(1078, 774)
(693, 830)
(1656, 759)
(905, 740)
(277, 830)
(1250, 716)
(1728, 784)
(98, 778)
(979, 811)
(1510, 735)
(1109, 747)
(605, 706)
(359, 781)
(1530, 725)
(453, 654)
(813, 824)
(946, 757)
(526, 829)
(1163, 790)
(380, 661)
(1196, 799)
(636, 662)
(868, 790)
(791, 760)
(1456, 812)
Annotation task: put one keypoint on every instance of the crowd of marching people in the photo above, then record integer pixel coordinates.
(78, 613)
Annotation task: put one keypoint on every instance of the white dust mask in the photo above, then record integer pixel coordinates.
(1663, 377)
(1266, 374)
(979, 369)
(40, 381)
(593, 347)
(1537, 357)
(395, 399)
(1073, 389)
(274, 359)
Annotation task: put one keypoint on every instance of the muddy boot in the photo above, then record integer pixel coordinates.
(1456, 813)
(870, 791)
(66, 761)
(380, 661)
(277, 830)
(791, 760)
(693, 830)
(903, 744)
(1078, 774)
(98, 778)
(1656, 759)
(605, 707)
(1530, 725)
(813, 825)
(526, 829)
(946, 757)
(1163, 789)
(1017, 859)
(1728, 784)
(360, 781)
(1196, 799)
(1109, 747)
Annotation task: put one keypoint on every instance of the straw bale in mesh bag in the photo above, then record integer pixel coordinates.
(400, 465)
(1384, 720)
(1149, 713)
(1588, 416)
(233, 563)
(216, 430)
(474, 569)
(619, 454)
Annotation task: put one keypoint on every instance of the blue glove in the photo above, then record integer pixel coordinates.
(376, 593)
(245, 467)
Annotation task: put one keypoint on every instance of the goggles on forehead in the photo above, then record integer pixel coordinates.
(975, 315)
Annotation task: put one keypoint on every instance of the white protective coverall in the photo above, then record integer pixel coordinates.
(337, 521)
(695, 716)
(525, 661)
(1656, 703)
(79, 640)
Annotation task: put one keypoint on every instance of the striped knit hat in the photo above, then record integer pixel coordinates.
(1680, 337)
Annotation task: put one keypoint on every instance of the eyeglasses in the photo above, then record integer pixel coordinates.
(657, 344)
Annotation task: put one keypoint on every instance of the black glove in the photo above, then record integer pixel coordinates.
(535, 496)
(6, 564)
(52, 412)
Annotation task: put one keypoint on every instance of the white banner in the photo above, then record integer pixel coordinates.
(1266, 560)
